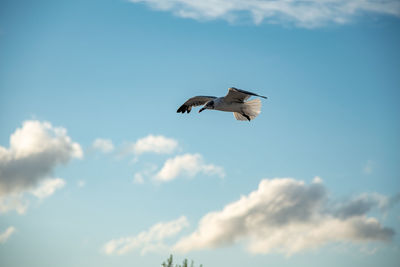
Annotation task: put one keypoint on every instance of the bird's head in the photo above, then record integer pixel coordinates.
(208, 105)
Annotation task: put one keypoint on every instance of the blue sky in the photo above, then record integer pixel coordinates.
(97, 168)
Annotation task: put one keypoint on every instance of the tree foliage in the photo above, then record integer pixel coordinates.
(170, 263)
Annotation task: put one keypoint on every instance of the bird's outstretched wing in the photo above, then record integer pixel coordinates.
(239, 95)
(193, 102)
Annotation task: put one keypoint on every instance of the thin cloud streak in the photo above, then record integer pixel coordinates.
(7, 234)
(150, 240)
(48, 187)
(307, 14)
(103, 145)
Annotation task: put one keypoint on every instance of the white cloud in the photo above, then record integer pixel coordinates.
(103, 145)
(287, 216)
(362, 204)
(157, 144)
(35, 150)
(20, 201)
(13, 201)
(151, 240)
(188, 165)
(309, 13)
(47, 187)
(6, 234)
(148, 171)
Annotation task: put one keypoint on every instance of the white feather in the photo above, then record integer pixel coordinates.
(239, 116)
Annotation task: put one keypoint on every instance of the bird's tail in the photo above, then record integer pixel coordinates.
(250, 110)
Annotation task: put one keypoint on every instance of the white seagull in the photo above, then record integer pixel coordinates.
(234, 102)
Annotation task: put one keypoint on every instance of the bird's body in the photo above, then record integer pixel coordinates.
(220, 104)
(234, 102)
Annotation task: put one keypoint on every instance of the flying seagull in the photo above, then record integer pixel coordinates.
(234, 101)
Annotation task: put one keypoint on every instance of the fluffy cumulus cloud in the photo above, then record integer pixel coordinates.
(103, 145)
(309, 13)
(25, 167)
(6, 234)
(187, 165)
(286, 215)
(150, 240)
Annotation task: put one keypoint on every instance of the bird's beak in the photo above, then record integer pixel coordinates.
(201, 109)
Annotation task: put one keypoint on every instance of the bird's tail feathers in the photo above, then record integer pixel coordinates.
(250, 110)
(239, 116)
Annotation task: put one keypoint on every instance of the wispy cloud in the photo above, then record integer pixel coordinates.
(150, 240)
(148, 171)
(14, 202)
(187, 165)
(6, 234)
(47, 187)
(103, 145)
(309, 13)
(138, 178)
(285, 215)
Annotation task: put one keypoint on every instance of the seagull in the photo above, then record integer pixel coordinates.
(234, 101)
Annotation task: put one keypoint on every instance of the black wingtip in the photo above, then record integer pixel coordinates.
(182, 109)
(246, 116)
